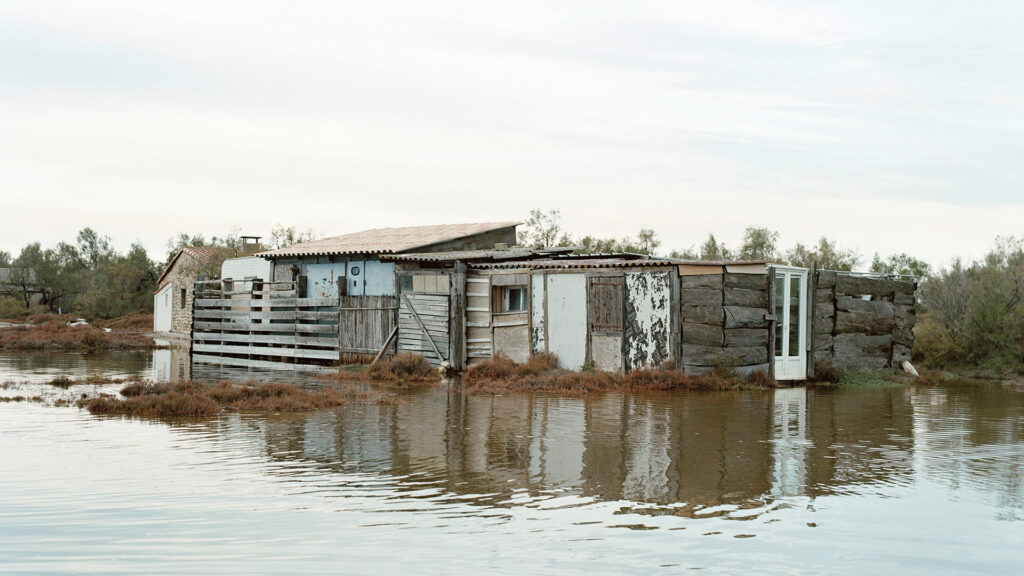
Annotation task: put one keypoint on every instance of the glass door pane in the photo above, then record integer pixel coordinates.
(780, 311)
(794, 314)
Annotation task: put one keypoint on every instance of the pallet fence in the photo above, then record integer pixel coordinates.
(268, 326)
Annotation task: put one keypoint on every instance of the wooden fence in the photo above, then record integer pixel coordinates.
(364, 324)
(268, 326)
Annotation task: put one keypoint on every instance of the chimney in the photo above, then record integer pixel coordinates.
(250, 244)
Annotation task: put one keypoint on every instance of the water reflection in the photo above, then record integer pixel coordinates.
(787, 480)
(680, 454)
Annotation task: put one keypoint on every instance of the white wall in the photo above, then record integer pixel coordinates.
(163, 305)
(247, 267)
(567, 319)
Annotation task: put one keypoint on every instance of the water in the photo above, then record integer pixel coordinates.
(873, 480)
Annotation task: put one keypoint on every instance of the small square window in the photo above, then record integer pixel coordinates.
(510, 299)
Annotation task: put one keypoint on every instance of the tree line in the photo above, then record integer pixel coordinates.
(89, 277)
(759, 243)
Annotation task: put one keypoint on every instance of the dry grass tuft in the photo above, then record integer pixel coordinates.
(401, 370)
(500, 375)
(198, 399)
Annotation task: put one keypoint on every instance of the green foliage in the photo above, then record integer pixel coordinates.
(543, 229)
(282, 236)
(712, 249)
(827, 255)
(88, 277)
(975, 312)
(5, 259)
(759, 243)
(900, 264)
(11, 308)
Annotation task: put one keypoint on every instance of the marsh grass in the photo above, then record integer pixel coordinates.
(199, 399)
(501, 374)
(61, 337)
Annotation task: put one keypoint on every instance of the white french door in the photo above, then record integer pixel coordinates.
(790, 325)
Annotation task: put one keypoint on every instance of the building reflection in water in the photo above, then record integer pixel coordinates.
(667, 453)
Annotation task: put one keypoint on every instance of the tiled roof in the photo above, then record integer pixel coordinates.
(387, 240)
(201, 254)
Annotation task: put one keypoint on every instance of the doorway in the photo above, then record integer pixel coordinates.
(790, 323)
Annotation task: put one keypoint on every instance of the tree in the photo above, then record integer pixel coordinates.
(544, 229)
(759, 243)
(827, 255)
(282, 236)
(647, 241)
(900, 264)
(23, 274)
(5, 259)
(712, 249)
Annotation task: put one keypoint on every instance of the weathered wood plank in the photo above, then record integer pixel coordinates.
(697, 355)
(745, 297)
(743, 317)
(747, 281)
(268, 364)
(713, 315)
(701, 281)
(863, 323)
(860, 285)
(872, 307)
(861, 351)
(703, 334)
(700, 296)
(267, 351)
(743, 337)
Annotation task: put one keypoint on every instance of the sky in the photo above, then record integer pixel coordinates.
(887, 126)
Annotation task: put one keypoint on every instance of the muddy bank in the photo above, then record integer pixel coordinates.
(53, 332)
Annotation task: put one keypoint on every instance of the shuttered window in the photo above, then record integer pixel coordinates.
(606, 304)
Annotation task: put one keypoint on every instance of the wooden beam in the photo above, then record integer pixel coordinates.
(387, 344)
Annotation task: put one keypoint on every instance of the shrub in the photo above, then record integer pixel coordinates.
(62, 381)
(198, 399)
(404, 368)
(11, 308)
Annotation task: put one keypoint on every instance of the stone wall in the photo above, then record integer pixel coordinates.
(862, 323)
(723, 321)
(181, 315)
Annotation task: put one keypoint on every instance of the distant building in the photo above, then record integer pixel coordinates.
(15, 282)
(172, 302)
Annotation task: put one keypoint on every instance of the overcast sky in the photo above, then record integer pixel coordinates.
(889, 126)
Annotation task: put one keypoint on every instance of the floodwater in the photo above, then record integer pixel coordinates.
(849, 481)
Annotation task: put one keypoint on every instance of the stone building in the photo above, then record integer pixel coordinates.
(172, 302)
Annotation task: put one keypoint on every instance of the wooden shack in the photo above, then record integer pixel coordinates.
(460, 294)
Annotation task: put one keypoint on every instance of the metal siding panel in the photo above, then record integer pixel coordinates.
(537, 312)
(648, 322)
(380, 278)
(322, 278)
(567, 319)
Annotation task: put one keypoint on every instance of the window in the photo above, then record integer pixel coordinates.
(183, 294)
(510, 299)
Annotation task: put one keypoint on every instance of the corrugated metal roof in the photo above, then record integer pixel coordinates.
(387, 240)
(607, 262)
(514, 253)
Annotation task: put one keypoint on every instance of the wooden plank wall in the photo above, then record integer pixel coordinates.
(725, 320)
(267, 326)
(479, 345)
(861, 322)
(364, 323)
(422, 310)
